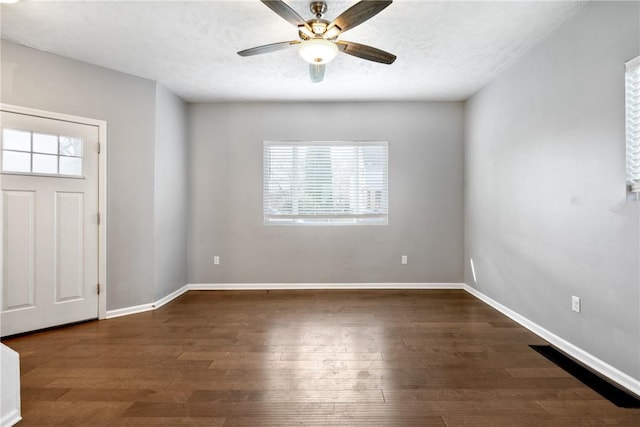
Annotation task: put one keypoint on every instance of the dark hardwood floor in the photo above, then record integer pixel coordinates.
(213, 358)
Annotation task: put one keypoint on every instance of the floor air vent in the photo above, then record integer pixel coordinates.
(604, 388)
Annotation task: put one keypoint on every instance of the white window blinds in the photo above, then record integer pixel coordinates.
(632, 108)
(325, 182)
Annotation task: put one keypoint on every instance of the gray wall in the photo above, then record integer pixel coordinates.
(32, 78)
(36, 79)
(171, 191)
(425, 186)
(546, 216)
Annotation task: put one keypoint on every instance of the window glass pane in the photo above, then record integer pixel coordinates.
(632, 107)
(325, 183)
(44, 163)
(16, 140)
(41, 153)
(70, 146)
(13, 161)
(71, 166)
(43, 143)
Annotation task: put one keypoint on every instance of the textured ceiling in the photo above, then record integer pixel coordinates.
(446, 50)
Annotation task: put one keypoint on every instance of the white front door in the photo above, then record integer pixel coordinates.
(50, 222)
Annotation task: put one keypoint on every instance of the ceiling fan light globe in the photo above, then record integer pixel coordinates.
(318, 51)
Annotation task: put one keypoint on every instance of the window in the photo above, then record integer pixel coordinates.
(632, 108)
(325, 182)
(40, 154)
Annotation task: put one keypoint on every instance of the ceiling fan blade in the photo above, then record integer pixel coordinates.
(358, 13)
(283, 9)
(366, 52)
(267, 48)
(316, 72)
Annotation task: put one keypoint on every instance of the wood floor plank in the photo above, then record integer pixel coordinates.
(168, 422)
(481, 394)
(104, 395)
(214, 409)
(554, 372)
(335, 421)
(74, 372)
(253, 384)
(302, 396)
(42, 394)
(68, 413)
(113, 383)
(537, 421)
(303, 358)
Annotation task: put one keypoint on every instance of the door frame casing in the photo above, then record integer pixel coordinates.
(102, 192)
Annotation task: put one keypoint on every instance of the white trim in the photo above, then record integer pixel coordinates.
(110, 314)
(173, 295)
(11, 419)
(102, 227)
(129, 310)
(51, 115)
(624, 380)
(102, 187)
(318, 286)
(632, 63)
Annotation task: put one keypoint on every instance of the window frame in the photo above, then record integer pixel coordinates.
(32, 151)
(334, 219)
(632, 126)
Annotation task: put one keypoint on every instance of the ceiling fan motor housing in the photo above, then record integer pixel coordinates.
(318, 25)
(318, 29)
(318, 8)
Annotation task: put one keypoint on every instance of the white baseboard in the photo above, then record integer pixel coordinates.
(614, 374)
(11, 419)
(146, 307)
(271, 287)
(617, 376)
(317, 286)
(173, 295)
(129, 310)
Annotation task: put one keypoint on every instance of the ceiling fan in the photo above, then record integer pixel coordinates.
(319, 42)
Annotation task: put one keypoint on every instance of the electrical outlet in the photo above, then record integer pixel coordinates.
(575, 304)
(216, 260)
(404, 259)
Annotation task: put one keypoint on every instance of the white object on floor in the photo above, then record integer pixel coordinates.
(10, 391)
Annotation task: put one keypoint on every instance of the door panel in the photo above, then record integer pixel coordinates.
(50, 206)
(69, 246)
(18, 244)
